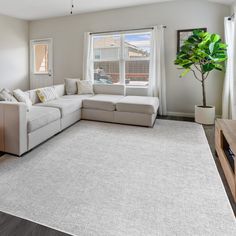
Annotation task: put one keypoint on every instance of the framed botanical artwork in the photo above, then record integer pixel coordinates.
(183, 35)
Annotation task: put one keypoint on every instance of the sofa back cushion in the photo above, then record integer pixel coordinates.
(115, 89)
(60, 89)
(85, 87)
(33, 96)
(47, 94)
(6, 95)
(22, 97)
(71, 86)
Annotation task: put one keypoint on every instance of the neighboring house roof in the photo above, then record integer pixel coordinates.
(106, 42)
(111, 42)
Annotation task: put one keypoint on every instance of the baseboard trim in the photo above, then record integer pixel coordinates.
(183, 114)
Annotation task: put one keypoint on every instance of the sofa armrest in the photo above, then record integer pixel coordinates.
(13, 128)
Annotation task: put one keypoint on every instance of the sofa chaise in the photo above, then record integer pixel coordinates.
(22, 130)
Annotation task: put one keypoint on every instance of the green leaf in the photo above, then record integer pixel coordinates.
(211, 47)
(218, 60)
(185, 73)
(219, 67)
(208, 67)
(220, 55)
(215, 38)
(223, 46)
(202, 45)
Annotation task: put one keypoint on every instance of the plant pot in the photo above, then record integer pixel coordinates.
(205, 115)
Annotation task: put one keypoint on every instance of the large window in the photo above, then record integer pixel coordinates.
(122, 58)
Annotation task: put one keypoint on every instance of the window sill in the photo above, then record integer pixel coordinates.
(135, 87)
(127, 86)
(41, 73)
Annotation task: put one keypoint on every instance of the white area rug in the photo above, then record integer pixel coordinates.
(107, 179)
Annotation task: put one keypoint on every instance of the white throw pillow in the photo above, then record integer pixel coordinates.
(47, 94)
(85, 87)
(5, 95)
(71, 86)
(22, 97)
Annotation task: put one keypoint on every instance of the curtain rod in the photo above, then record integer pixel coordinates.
(126, 30)
(231, 17)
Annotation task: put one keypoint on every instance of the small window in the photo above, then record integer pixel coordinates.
(41, 58)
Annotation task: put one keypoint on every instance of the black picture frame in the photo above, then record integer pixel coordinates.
(183, 35)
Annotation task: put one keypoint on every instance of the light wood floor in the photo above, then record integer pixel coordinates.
(14, 226)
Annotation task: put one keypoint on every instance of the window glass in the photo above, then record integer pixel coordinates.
(106, 72)
(107, 47)
(123, 58)
(137, 45)
(41, 58)
(137, 73)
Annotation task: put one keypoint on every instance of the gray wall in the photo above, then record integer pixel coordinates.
(182, 94)
(14, 53)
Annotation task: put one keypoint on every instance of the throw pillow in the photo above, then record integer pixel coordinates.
(46, 94)
(71, 86)
(22, 97)
(85, 87)
(5, 95)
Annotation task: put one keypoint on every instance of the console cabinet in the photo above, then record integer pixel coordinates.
(225, 145)
(1, 130)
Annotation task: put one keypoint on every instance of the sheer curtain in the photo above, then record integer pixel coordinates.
(88, 57)
(229, 103)
(157, 84)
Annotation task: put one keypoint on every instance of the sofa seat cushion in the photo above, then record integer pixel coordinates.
(66, 106)
(103, 102)
(39, 117)
(138, 104)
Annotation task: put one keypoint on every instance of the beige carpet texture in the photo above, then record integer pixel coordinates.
(101, 179)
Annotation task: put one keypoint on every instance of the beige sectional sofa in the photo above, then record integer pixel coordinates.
(22, 130)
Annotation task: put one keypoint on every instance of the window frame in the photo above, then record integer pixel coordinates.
(122, 59)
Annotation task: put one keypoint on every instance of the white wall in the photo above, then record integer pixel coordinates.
(13, 53)
(182, 94)
(233, 8)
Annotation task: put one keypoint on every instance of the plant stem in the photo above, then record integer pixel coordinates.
(203, 91)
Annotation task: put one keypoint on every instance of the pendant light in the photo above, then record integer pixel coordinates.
(72, 6)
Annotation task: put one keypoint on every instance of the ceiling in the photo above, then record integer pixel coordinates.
(32, 10)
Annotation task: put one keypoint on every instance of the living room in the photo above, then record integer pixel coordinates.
(117, 117)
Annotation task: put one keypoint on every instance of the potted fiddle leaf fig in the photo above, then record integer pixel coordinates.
(201, 54)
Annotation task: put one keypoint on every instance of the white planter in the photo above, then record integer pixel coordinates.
(205, 115)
